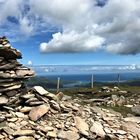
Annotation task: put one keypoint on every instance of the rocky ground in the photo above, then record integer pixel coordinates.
(36, 114)
(42, 115)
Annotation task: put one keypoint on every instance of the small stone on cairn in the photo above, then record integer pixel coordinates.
(12, 73)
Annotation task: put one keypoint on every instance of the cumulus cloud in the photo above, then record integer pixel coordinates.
(84, 25)
(72, 42)
(115, 24)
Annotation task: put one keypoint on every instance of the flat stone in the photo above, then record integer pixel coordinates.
(68, 135)
(25, 109)
(19, 114)
(40, 90)
(10, 88)
(97, 128)
(81, 125)
(37, 112)
(8, 84)
(24, 133)
(36, 103)
(3, 100)
(25, 138)
(12, 119)
(121, 132)
(28, 96)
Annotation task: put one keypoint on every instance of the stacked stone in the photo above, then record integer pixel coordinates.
(12, 73)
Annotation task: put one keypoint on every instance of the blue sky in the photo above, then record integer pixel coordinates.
(71, 32)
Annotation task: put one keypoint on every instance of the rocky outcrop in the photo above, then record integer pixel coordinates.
(12, 73)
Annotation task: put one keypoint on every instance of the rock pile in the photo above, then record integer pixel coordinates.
(42, 115)
(12, 73)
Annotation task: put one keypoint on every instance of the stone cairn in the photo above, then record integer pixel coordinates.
(12, 73)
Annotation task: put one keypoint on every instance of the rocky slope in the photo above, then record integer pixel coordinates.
(36, 114)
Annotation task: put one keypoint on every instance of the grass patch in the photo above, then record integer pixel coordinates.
(121, 109)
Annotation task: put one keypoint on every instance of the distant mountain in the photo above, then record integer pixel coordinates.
(83, 69)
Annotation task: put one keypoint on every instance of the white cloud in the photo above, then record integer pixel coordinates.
(72, 42)
(29, 62)
(25, 26)
(84, 25)
(111, 23)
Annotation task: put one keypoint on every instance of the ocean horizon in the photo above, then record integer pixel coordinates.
(71, 75)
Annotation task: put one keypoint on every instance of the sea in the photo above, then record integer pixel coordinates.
(71, 80)
(74, 75)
